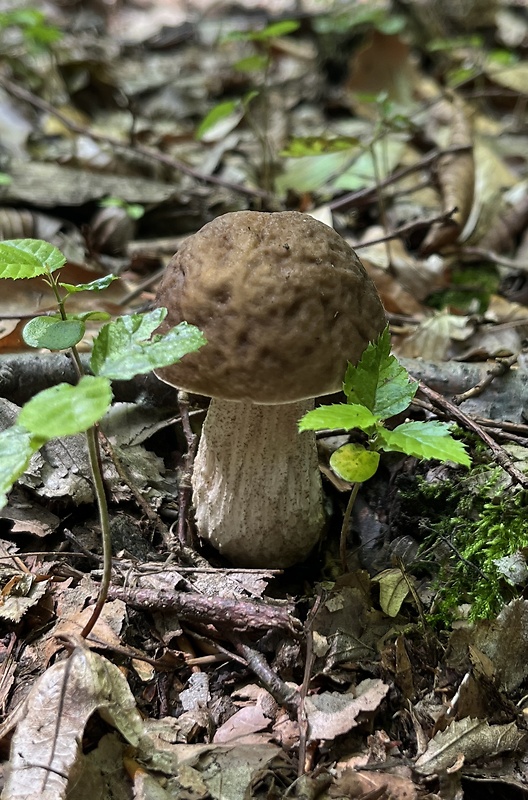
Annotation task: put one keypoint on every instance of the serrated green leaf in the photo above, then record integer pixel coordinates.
(28, 258)
(394, 588)
(53, 333)
(16, 448)
(424, 440)
(123, 348)
(353, 463)
(338, 416)
(94, 286)
(64, 410)
(379, 381)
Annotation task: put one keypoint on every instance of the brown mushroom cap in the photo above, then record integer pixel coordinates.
(283, 301)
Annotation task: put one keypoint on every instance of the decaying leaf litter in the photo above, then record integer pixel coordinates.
(404, 127)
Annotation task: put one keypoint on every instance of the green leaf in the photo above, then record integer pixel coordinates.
(255, 63)
(218, 113)
(353, 463)
(309, 173)
(302, 146)
(16, 448)
(96, 316)
(379, 381)
(53, 333)
(28, 258)
(394, 588)
(64, 410)
(365, 171)
(134, 210)
(338, 416)
(94, 286)
(424, 440)
(275, 30)
(123, 349)
(249, 97)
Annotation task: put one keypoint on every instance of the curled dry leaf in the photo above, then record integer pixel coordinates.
(45, 746)
(502, 234)
(456, 178)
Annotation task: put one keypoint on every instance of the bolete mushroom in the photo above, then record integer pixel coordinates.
(284, 303)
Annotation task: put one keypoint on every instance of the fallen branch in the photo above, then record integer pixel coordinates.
(238, 615)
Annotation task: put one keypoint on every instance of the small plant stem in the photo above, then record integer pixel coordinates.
(94, 456)
(102, 507)
(345, 526)
(185, 485)
(381, 201)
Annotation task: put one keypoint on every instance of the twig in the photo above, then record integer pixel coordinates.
(502, 425)
(489, 255)
(308, 666)
(410, 227)
(146, 152)
(137, 290)
(499, 453)
(501, 368)
(125, 476)
(285, 695)
(369, 194)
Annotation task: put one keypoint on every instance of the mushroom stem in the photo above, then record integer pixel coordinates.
(256, 483)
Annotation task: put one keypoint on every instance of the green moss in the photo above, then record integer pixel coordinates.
(468, 284)
(470, 525)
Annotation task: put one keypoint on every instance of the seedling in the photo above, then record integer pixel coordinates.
(37, 33)
(134, 210)
(226, 115)
(379, 388)
(122, 349)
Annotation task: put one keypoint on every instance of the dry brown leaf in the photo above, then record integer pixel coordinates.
(365, 784)
(330, 714)
(249, 720)
(383, 64)
(502, 234)
(45, 746)
(456, 177)
(432, 339)
(469, 738)
(395, 299)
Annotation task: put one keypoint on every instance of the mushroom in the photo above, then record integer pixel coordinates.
(284, 303)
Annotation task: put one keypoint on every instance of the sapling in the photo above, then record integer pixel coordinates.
(123, 348)
(379, 388)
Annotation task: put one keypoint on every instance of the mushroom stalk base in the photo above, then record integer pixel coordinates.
(256, 484)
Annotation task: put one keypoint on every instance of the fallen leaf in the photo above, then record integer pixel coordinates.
(330, 714)
(471, 738)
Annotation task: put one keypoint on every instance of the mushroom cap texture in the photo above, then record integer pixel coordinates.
(283, 301)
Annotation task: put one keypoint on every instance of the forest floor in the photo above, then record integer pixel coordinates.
(396, 668)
